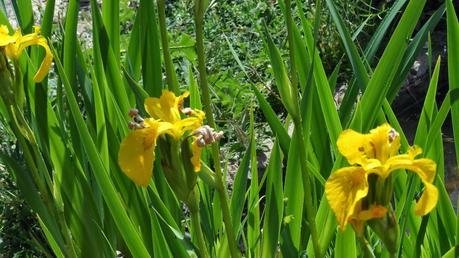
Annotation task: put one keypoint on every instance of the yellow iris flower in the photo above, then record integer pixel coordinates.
(16, 43)
(168, 107)
(374, 153)
(136, 154)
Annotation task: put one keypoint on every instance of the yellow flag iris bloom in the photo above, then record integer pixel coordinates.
(15, 44)
(374, 153)
(168, 107)
(136, 154)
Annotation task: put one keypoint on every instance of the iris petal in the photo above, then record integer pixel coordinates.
(196, 158)
(354, 146)
(15, 45)
(136, 155)
(167, 107)
(5, 38)
(425, 169)
(46, 63)
(380, 144)
(427, 201)
(375, 211)
(137, 150)
(187, 124)
(362, 216)
(344, 189)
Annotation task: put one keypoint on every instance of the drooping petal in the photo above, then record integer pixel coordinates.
(166, 107)
(344, 189)
(196, 158)
(46, 63)
(425, 169)
(137, 151)
(136, 155)
(15, 49)
(428, 200)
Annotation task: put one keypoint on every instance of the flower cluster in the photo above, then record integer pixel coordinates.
(361, 192)
(137, 150)
(15, 44)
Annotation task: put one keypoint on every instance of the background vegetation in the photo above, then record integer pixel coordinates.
(240, 62)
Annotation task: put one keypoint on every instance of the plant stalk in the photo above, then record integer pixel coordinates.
(297, 120)
(220, 185)
(196, 222)
(365, 248)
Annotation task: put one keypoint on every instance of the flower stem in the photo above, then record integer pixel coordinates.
(365, 248)
(193, 205)
(220, 186)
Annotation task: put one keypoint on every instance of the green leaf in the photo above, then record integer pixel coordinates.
(294, 195)
(33, 198)
(325, 96)
(429, 108)
(103, 50)
(253, 227)
(358, 67)
(150, 49)
(385, 71)
(281, 76)
(273, 120)
(111, 18)
(342, 246)
(413, 50)
(453, 67)
(133, 57)
(274, 204)
(239, 189)
(70, 41)
(24, 15)
(113, 201)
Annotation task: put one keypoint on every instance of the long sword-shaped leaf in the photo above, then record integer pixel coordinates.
(274, 206)
(387, 67)
(294, 195)
(150, 49)
(281, 76)
(113, 201)
(453, 68)
(111, 18)
(253, 227)
(70, 40)
(111, 64)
